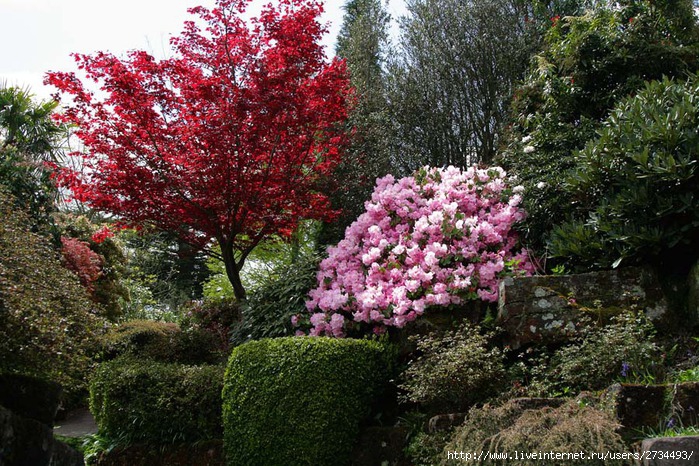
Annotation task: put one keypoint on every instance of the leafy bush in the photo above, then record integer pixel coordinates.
(82, 261)
(298, 400)
(143, 400)
(48, 326)
(438, 238)
(273, 303)
(573, 427)
(624, 350)
(159, 341)
(215, 317)
(455, 370)
(426, 449)
(93, 252)
(640, 182)
(589, 63)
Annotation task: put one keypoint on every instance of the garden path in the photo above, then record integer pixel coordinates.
(78, 423)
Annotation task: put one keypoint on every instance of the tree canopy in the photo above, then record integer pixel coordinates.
(226, 141)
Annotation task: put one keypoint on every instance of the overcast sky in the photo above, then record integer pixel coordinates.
(38, 35)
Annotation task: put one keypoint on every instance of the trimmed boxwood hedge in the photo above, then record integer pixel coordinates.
(299, 400)
(140, 400)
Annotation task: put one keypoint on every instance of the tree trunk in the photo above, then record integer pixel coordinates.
(233, 271)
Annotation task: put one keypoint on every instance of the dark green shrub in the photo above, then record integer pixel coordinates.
(572, 427)
(455, 370)
(217, 317)
(141, 400)
(160, 341)
(640, 182)
(299, 400)
(144, 338)
(623, 350)
(48, 326)
(271, 305)
(589, 63)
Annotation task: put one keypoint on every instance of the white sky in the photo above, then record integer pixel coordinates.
(38, 35)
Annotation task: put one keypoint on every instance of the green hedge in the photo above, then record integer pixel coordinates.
(299, 400)
(159, 341)
(140, 400)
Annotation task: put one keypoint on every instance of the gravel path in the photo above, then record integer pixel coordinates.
(78, 423)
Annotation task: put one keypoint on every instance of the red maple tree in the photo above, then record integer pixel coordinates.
(226, 142)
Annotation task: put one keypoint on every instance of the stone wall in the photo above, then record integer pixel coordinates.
(550, 309)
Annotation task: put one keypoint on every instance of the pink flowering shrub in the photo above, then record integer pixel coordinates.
(437, 238)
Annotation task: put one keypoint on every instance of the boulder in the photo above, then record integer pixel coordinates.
(26, 442)
(668, 451)
(685, 403)
(30, 397)
(550, 309)
(637, 406)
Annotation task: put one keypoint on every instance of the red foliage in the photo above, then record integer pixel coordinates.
(81, 260)
(228, 140)
(102, 234)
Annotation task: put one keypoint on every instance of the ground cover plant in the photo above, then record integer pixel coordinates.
(572, 427)
(454, 370)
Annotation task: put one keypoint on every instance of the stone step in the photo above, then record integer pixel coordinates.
(670, 451)
(653, 406)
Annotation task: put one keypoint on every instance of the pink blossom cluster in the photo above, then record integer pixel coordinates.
(437, 238)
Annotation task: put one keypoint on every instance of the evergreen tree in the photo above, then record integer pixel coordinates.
(362, 43)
